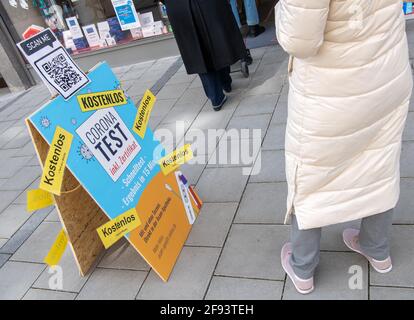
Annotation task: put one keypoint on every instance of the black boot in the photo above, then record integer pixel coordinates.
(227, 89)
(218, 108)
(255, 30)
(248, 58)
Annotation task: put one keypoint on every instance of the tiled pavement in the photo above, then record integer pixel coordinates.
(233, 250)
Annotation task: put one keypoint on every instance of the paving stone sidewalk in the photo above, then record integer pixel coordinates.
(233, 250)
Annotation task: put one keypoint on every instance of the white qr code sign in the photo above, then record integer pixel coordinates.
(53, 63)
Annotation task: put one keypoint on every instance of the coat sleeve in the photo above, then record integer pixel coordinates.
(300, 26)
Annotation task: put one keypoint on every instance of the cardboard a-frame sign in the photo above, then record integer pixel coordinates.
(96, 190)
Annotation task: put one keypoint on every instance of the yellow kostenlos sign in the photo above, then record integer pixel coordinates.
(115, 229)
(101, 100)
(57, 249)
(143, 113)
(175, 159)
(38, 199)
(52, 176)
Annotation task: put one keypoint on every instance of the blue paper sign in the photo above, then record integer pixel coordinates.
(120, 170)
(106, 156)
(126, 14)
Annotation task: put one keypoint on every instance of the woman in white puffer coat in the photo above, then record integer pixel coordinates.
(350, 85)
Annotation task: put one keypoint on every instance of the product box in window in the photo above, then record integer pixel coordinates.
(155, 29)
(105, 34)
(116, 31)
(136, 33)
(81, 43)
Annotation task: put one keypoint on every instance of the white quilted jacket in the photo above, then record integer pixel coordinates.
(350, 85)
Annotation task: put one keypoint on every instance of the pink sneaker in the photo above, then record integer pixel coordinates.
(351, 239)
(301, 285)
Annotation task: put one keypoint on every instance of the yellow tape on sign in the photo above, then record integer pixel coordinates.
(175, 159)
(52, 176)
(143, 113)
(115, 229)
(101, 100)
(57, 250)
(38, 199)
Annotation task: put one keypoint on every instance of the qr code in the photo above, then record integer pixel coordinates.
(62, 72)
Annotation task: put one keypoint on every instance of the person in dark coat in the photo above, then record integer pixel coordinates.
(209, 41)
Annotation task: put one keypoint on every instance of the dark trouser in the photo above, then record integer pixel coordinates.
(373, 240)
(214, 82)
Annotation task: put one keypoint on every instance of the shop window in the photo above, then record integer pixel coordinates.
(87, 25)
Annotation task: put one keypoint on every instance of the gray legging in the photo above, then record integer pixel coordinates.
(373, 239)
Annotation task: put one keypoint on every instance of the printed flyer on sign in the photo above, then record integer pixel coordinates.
(53, 63)
(116, 166)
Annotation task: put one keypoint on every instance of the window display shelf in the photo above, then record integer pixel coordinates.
(124, 45)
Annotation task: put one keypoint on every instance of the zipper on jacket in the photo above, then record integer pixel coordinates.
(290, 65)
(290, 205)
